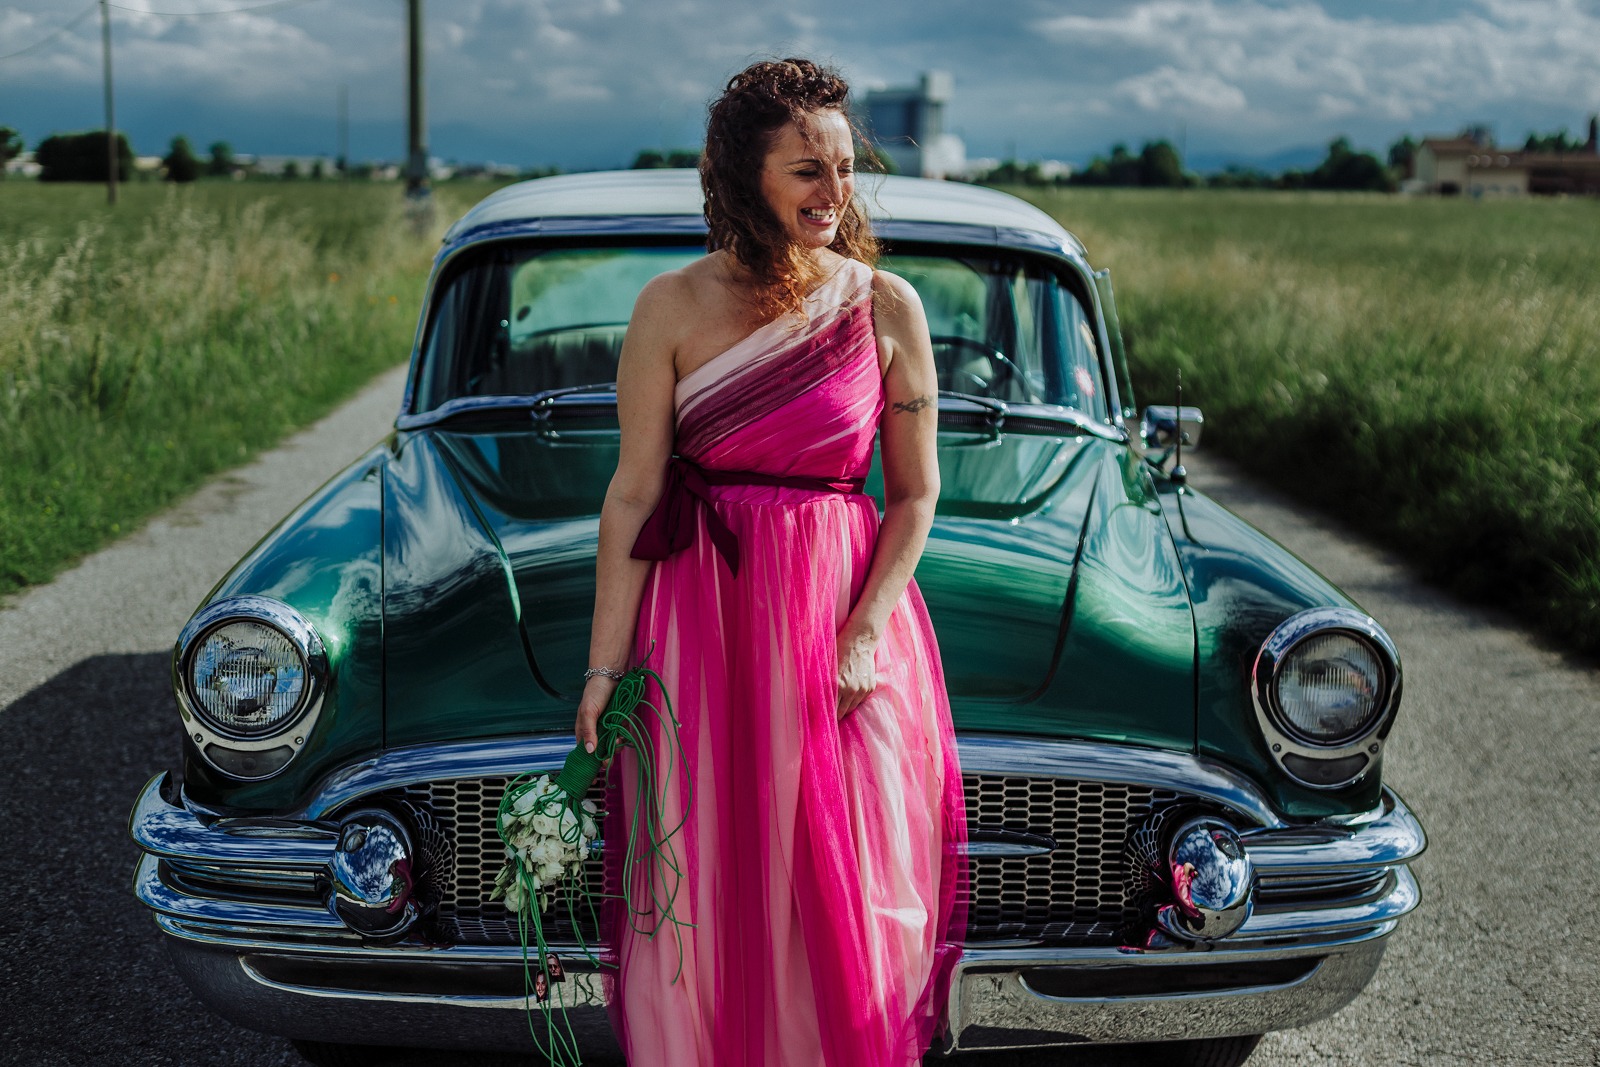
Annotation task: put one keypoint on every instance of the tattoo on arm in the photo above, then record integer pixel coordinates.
(914, 405)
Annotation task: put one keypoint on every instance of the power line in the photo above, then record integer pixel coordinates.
(72, 24)
(270, 5)
(63, 31)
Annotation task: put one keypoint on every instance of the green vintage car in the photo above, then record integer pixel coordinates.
(1171, 730)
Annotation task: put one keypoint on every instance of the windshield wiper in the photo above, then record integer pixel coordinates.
(995, 409)
(1056, 415)
(574, 397)
(1050, 416)
(538, 405)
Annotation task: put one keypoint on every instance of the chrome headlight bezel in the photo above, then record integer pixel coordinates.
(1357, 753)
(227, 750)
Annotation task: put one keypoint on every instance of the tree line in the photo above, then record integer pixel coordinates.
(1158, 165)
(83, 157)
(1345, 167)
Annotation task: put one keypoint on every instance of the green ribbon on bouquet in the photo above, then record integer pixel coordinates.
(626, 720)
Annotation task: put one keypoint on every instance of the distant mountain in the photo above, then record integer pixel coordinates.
(1305, 157)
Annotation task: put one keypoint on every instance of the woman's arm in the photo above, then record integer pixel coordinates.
(906, 441)
(645, 383)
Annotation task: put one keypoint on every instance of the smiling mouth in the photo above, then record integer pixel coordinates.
(819, 215)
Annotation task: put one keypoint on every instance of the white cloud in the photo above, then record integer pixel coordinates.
(1289, 61)
(1168, 87)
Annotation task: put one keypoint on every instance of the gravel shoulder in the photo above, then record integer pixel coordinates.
(1497, 749)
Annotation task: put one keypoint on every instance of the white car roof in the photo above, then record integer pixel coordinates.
(677, 192)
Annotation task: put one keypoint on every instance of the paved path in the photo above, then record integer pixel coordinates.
(1497, 748)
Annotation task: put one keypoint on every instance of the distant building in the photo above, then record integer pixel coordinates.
(23, 166)
(907, 126)
(275, 166)
(1470, 165)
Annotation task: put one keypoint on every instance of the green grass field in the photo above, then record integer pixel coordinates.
(1428, 370)
(146, 347)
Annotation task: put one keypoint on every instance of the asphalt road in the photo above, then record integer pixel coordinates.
(1497, 749)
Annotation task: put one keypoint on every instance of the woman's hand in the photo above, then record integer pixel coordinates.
(858, 671)
(596, 695)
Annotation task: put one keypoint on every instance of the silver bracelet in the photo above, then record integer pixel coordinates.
(604, 672)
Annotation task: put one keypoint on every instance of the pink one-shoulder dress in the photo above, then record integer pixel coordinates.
(821, 857)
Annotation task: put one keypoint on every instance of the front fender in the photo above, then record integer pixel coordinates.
(1243, 584)
(324, 560)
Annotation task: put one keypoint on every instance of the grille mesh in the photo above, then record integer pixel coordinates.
(1078, 893)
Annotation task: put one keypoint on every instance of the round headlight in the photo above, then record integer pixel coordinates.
(248, 678)
(1330, 687)
(1326, 684)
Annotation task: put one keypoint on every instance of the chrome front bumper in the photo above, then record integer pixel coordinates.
(280, 961)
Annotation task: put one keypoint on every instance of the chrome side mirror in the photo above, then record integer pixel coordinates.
(1163, 426)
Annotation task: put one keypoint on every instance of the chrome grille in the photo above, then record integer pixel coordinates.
(1079, 892)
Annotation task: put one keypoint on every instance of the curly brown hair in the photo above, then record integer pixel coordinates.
(744, 124)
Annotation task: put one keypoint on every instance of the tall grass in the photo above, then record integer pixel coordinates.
(1427, 370)
(144, 348)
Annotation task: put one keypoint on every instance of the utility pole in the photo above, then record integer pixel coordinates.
(417, 138)
(111, 115)
(344, 131)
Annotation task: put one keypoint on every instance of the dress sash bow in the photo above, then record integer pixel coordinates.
(670, 527)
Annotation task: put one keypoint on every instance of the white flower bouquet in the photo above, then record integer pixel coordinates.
(547, 840)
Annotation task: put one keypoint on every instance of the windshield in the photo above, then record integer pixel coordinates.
(520, 321)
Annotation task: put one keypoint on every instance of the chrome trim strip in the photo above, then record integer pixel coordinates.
(413, 764)
(1100, 762)
(978, 753)
(232, 985)
(1393, 837)
(156, 895)
(1398, 902)
(170, 832)
(243, 939)
(460, 405)
(587, 982)
(996, 1008)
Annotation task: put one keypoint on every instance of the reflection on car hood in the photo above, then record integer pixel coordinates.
(998, 577)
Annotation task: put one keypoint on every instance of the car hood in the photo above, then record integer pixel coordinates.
(494, 535)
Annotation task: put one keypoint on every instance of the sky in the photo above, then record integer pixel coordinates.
(587, 83)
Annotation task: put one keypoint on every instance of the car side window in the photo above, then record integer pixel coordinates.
(520, 322)
(1008, 329)
(1082, 387)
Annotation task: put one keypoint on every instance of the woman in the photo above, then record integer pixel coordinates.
(819, 863)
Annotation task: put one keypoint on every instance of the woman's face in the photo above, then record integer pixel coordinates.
(809, 177)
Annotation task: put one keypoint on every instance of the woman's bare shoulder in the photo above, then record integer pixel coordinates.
(886, 283)
(663, 294)
(680, 294)
(895, 302)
